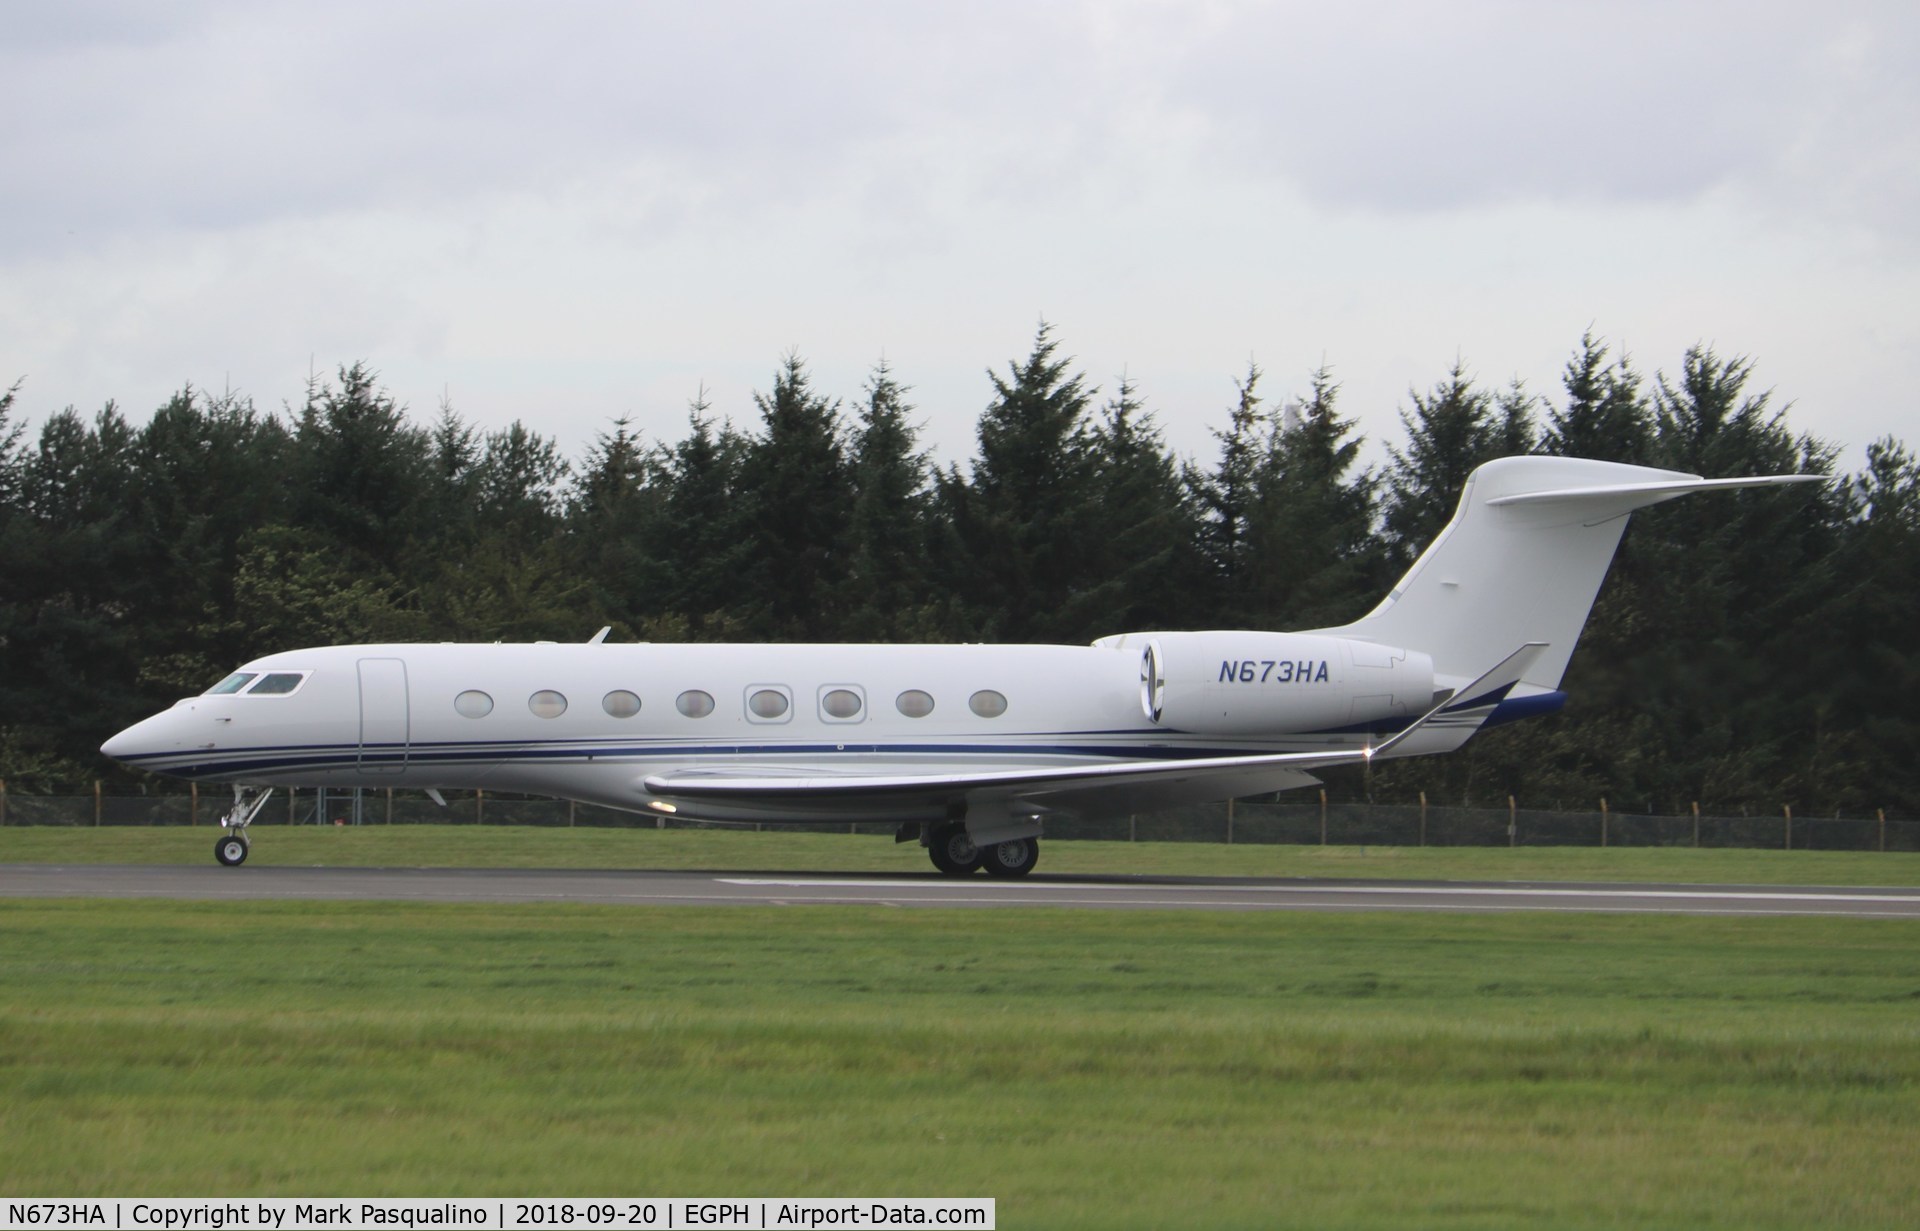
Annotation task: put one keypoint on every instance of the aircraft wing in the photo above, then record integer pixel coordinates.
(1076, 785)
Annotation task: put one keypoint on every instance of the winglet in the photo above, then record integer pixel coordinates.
(1492, 686)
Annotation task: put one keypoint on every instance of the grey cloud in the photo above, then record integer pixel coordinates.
(231, 115)
(1409, 107)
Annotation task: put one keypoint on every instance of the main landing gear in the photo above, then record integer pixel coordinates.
(231, 849)
(954, 853)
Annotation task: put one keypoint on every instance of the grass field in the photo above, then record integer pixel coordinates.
(1096, 1070)
(736, 850)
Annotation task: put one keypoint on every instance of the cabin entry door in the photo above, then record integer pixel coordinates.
(383, 715)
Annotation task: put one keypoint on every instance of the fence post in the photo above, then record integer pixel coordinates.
(1133, 827)
(570, 807)
(1787, 811)
(1423, 818)
(1881, 811)
(1230, 824)
(3, 803)
(291, 792)
(1513, 822)
(193, 803)
(1603, 821)
(1696, 823)
(389, 805)
(479, 806)
(1323, 816)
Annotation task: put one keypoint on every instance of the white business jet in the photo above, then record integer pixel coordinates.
(968, 748)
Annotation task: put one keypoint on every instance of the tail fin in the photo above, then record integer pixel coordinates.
(1522, 560)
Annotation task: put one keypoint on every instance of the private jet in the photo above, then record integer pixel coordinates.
(968, 749)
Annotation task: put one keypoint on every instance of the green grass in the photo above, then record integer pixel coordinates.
(508, 846)
(1097, 1069)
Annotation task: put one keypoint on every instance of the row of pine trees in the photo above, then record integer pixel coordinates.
(1748, 651)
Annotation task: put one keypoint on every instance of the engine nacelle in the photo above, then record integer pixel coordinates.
(1260, 683)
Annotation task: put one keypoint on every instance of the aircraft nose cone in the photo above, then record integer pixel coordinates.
(140, 739)
(122, 746)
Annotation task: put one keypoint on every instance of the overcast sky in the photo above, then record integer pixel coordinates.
(568, 212)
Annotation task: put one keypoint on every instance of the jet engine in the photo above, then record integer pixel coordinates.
(1260, 683)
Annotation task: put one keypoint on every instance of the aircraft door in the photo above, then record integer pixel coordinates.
(383, 715)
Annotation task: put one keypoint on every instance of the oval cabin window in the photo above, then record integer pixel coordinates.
(620, 703)
(987, 703)
(767, 703)
(694, 703)
(841, 703)
(914, 703)
(547, 704)
(473, 704)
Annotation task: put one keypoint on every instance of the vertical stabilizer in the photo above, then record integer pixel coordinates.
(1522, 560)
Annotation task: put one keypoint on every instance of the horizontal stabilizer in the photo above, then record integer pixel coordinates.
(1638, 495)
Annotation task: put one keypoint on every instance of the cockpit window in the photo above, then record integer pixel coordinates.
(277, 683)
(233, 683)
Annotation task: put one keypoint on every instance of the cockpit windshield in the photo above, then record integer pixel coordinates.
(256, 684)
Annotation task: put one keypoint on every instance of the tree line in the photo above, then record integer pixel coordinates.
(1747, 650)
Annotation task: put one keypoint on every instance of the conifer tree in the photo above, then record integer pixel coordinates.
(206, 471)
(1145, 560)
(1021, 520)
(615, 515)
(1731, 585)
(1606, 417)
(1316, 560)
(10, 453)
(702, 542)
(362, 468)
(888, 534)
(794, 487)
(1451, 430)
(1225, 497)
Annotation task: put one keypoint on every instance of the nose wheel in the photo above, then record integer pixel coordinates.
(231, 849)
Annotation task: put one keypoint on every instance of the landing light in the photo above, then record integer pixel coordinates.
(661, 805)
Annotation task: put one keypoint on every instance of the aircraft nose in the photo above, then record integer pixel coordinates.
(143, 738)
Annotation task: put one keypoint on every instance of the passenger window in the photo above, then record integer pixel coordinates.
(473, 704)
(694, 703)
(233, 683)
(842, 704)
(914, 703)
(620, 703)
(987, 703)
(547, 704)
(277, 684)
(768, 704)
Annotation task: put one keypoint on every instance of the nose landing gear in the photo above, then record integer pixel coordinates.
(231, 849)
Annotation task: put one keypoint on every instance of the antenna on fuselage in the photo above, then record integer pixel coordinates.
(600, 636)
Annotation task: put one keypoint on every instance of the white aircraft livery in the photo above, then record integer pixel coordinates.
(968, 748)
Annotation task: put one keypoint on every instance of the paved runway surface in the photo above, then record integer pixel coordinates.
(216, 883)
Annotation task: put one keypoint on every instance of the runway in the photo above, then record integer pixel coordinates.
(644, 888)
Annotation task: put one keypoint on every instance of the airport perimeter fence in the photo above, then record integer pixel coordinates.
(1290, 823)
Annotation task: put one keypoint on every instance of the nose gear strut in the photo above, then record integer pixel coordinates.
(231, 849)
